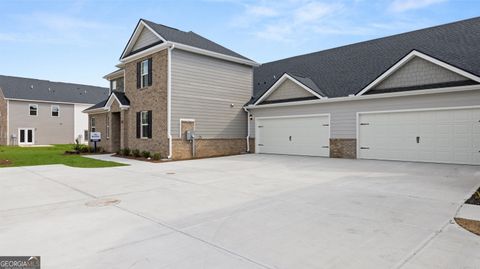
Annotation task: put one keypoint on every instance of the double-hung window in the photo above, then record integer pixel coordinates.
(92, 125)
(144, 124)
(144, 73)
(33, 109)
(55, 110)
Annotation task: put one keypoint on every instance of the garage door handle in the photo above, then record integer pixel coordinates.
(325, 147)
(290, 138)
(418, 139)
(260, 145)
(364, 148)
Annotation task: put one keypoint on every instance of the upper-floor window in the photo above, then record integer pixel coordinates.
(144, 73)
(92, 125)
(55, 110)
(114, 85)
(33, 109)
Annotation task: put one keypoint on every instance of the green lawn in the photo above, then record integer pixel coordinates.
(26, 156)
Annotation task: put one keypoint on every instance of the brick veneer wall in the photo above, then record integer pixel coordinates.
(182, 149)
(152, 98)
(343, 148)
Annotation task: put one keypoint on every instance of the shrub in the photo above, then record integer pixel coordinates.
(84, 148)
(146, 154)
(136, 153)
(119, 152)
(126, 152)
(156, 156)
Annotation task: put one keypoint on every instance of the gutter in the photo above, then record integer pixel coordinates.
(169, 101)
(248, 129)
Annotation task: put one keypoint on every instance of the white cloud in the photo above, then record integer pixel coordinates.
(314, 11)
(405, 5)
(261, 11)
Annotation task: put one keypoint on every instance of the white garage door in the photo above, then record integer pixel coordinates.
(303, 135)
(443, 136)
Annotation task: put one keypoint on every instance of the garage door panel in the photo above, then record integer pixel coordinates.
(309, 135)
(446, 136)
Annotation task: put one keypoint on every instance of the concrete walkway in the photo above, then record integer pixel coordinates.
(249, 211)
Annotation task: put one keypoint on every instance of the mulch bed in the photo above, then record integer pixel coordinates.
(469, 225)
(475, 199)
(139, 158)
(5, 162)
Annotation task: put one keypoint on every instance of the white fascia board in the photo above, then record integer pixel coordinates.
(280, 81)
(367, 97)
(214, 54)
(409, 57)
(143, 53)
(114, 75)
(44, 101)
(110, 102)
(136, 35)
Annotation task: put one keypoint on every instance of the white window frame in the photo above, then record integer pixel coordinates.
(30, 112)
(108, 126)
(114, 85)
(93, 128)
(143, 73)
(142, 124)
(51, 111)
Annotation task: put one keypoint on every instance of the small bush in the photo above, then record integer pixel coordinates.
(119, 152)
(126, 152)
(146, 154)
(84, 148)
(156, 156)
(136, 153)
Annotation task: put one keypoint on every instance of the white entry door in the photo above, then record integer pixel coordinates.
(441, 136)
(26, 136)
(299, 135)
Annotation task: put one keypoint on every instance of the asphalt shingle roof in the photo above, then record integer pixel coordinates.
(44, 90)
(191, 39)
(347, 70)
(120, 96)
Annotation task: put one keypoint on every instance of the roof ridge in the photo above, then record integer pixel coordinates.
(50, 81)
(173, 28)
(377, 39)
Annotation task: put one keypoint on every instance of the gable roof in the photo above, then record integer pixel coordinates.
(347, 70)
(45, 90)
(169, 34)
(305, 83)
(105, 104)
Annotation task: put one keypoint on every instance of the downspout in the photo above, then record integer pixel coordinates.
(8, 123)
(248, 129)
(169, 101)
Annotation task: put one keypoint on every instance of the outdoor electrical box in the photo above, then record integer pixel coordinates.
(190, 135)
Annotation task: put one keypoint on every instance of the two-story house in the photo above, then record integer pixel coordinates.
(171, 82)
(42, 112)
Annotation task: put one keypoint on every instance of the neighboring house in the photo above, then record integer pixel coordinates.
(409, 97)
(41, 112)
(171, 82)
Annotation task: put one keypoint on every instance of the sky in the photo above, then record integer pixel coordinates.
(80, 41)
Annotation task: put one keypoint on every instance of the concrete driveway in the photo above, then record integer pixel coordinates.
(250, 211)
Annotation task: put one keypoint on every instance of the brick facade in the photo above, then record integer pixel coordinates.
(182, 149)
(3, 120)
(152, 98)
(343, 148)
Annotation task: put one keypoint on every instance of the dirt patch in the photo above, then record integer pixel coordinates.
(5, 162)
(469, 225)
(475, 199)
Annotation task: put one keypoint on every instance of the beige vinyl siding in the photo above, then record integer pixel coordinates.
(48, 129)
(419, 71)
(203, 89)
(343, 114)
(287, 90)
(146, 38)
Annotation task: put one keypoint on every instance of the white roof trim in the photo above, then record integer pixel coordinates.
(110, 102)
(409, 57)
(115, 74)
(370, 96)
(279, 82)
(136, 34)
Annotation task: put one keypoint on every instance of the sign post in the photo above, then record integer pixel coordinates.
(95, 137)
